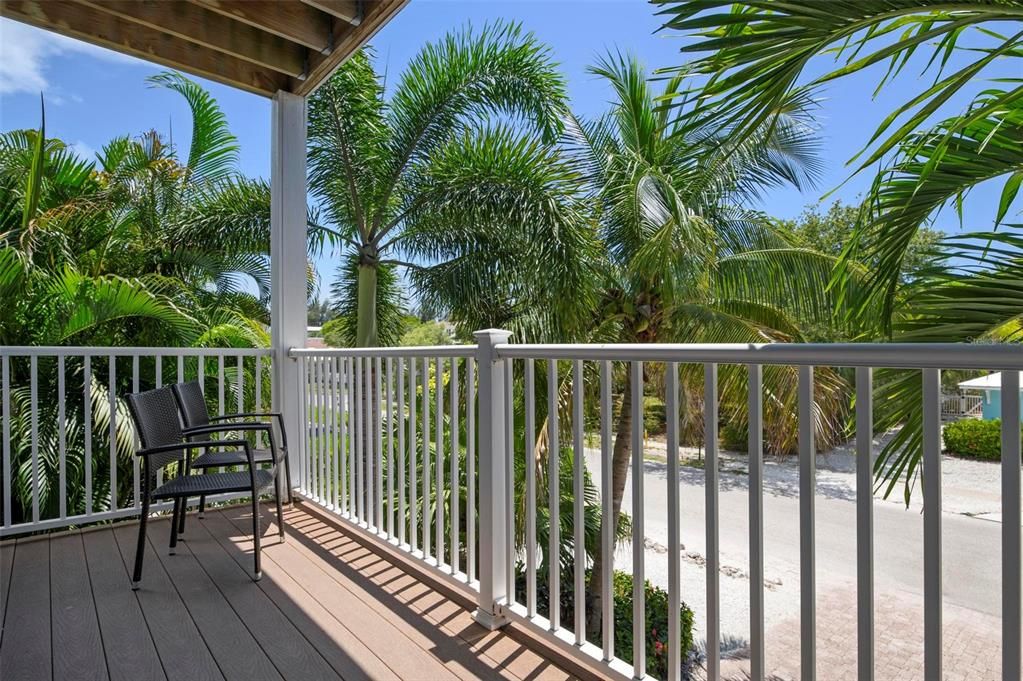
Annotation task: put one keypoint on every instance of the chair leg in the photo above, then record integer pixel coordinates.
(181, 521)
(140, 548)
(280, 511)
(287, 475)
(175, 519)
(255, 535)
(202, 507)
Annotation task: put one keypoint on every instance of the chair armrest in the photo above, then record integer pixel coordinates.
(231, 427)
(175, 446)
(258, 414)
(227, 427)
(247, 415)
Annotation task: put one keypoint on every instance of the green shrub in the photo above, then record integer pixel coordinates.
(621, 589)
(734, 438)
(654, 422)
(974, 439)
(656, 625)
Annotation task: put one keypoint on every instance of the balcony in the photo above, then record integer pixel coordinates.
(416, 547)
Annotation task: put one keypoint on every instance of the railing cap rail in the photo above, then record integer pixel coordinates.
(418, 351)
(993, 356)
(122, 351)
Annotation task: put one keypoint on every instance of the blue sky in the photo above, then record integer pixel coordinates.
(93, 95)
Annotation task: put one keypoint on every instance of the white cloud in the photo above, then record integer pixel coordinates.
(83, 150)
(25, 53)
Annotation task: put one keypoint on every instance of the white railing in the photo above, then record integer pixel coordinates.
(369, 445)
(961, 405)
(383, 446)
(68, 444)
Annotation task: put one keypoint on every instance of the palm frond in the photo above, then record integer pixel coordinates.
(213, 153)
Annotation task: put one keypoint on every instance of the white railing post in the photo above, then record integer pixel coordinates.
(288, 262)
(493, 545)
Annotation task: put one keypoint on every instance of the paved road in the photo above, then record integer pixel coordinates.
(971, 545)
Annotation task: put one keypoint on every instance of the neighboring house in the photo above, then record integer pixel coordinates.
(990, 390)
(314, 337)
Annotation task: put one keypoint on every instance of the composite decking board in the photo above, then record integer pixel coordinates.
(367, 625)
(498, 648)
(291, 653)
(130, 651)
(442, 648)
(342, 649)
(7, 550)
(26, 652)
(365, 622)
(182, 649)
(371, 621)
(228, 639)
(77, 642)
(432, 607)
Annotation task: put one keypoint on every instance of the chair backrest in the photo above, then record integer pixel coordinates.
(155, 413)
(191, 403)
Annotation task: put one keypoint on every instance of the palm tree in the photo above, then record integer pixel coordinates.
(453, 166)
(754, 53)
(674, 253)
(684, 258)
(143, 249)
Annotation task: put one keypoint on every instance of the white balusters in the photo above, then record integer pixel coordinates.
(607, 528)
(579, 536)
(553, 497)
(864, 524)
(530, 465)
(756, 520)
(712, 515)
(932, 522)
(638, 536)
(674, 533)
(1011, 553)
(807, 525)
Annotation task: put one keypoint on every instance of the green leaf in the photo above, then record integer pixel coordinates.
(1009, 191)
(33, 183)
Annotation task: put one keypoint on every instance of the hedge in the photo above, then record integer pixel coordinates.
(656, 619)
(974, 439)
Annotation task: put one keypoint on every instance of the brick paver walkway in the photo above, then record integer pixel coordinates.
(972, 641)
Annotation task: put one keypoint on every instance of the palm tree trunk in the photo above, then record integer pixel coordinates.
(366, 327)
(620, 459)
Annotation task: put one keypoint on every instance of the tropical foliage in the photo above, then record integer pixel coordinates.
(143, 246)
(681, 256)
(452, 170)
(752, 55)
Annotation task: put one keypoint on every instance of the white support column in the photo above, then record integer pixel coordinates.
(288, 259)
(493, 545)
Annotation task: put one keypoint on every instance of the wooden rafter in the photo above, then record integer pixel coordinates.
(348, 41)
(261, 46)
(100, 28)
(346, 10)
(209, 29)
(294, 21)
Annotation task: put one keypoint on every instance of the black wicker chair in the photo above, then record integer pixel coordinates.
(156, 418)
(197, 421)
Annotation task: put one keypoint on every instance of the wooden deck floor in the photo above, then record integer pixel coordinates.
(327, 608)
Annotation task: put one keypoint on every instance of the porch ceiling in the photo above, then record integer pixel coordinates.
(261, 46)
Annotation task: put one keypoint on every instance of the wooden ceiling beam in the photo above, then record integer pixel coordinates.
(294, 21)
(209, 29)
(106, 30)
(346, 10)
(347, 40)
